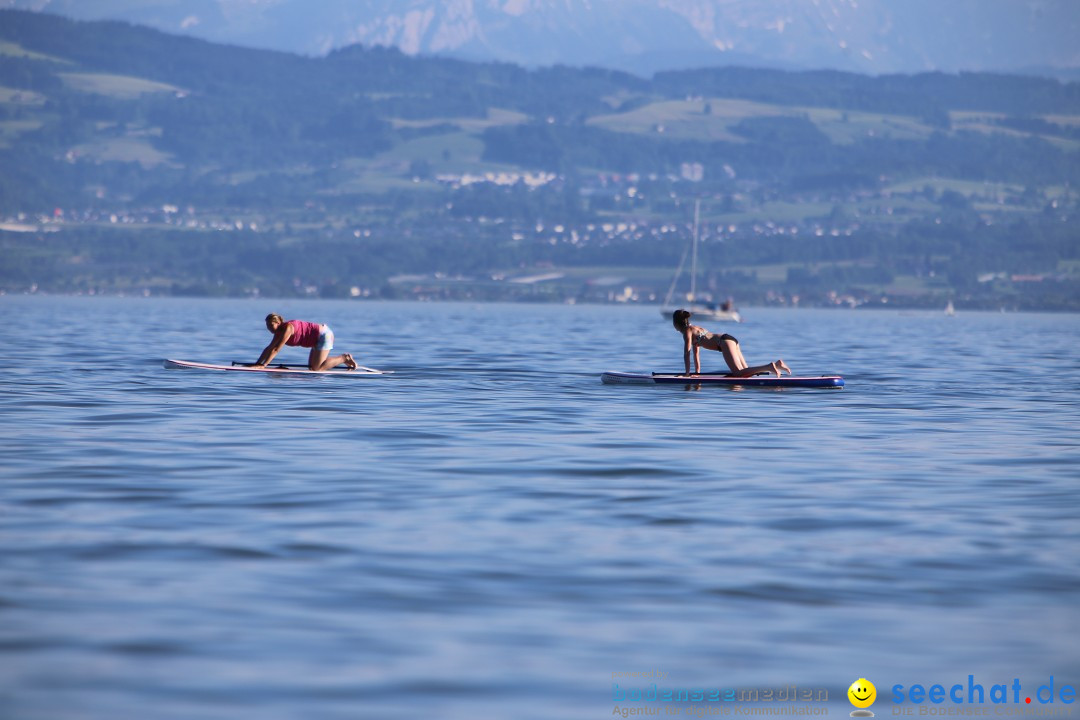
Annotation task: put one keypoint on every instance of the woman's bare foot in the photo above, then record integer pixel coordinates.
(782, 366)
(349, 362)
(775, 368)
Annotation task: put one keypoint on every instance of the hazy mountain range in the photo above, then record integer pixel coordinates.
(642, 36)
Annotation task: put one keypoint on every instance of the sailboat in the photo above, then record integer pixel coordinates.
(950, 310)
(701, 311)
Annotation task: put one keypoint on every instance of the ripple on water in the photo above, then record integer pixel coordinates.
(493, 532)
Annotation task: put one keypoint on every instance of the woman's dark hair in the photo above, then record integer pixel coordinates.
(681, 320)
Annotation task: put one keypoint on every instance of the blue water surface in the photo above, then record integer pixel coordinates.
(493, 533)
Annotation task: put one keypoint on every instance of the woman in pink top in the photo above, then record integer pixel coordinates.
(319, 338)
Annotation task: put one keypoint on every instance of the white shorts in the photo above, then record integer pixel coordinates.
(326, 338)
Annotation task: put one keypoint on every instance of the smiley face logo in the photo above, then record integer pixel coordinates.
(862, 693)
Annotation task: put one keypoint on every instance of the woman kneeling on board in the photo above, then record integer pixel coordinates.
(319, 338)
(695, 338)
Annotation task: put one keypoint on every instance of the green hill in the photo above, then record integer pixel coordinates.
(422, 165)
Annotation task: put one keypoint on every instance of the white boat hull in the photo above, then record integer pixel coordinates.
(702, 313)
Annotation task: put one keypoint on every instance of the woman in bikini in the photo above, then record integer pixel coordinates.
(695, 338)
(320, 338)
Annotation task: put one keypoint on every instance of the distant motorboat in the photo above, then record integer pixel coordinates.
(725, 312)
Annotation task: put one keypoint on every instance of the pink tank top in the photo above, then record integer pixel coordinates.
(304, 334)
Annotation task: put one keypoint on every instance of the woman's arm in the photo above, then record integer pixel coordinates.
(284, 332)
(687, 345)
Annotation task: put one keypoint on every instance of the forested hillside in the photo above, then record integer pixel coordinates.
(137, 161)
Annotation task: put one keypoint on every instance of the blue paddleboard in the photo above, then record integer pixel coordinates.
(623, 378)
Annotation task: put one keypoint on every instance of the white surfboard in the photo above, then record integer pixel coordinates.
(277, 369)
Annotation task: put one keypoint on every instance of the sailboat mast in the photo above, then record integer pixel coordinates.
(693, 259)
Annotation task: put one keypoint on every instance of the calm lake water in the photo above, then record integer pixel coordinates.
(493, 533)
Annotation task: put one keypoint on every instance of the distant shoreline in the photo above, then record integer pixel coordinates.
(744, 309)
